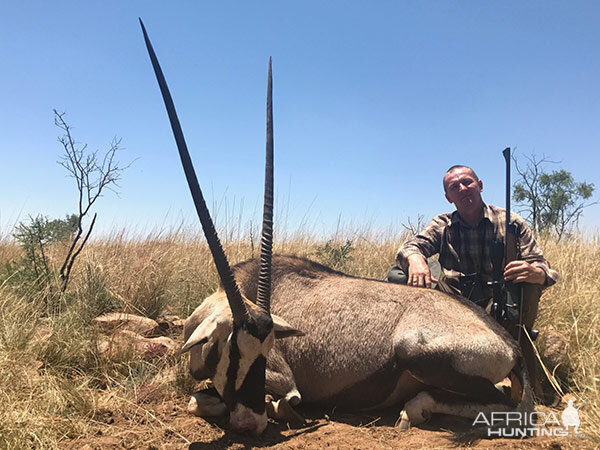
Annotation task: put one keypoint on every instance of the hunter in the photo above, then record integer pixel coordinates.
(463, 241)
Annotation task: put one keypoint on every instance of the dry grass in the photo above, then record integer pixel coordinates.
(572, 308)
(54, 384)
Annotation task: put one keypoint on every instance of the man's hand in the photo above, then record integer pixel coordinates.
(523, 272)
(418, 272)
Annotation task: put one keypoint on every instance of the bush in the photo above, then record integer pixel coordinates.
(335, 256)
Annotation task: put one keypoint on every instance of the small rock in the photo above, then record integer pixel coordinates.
(131, 322)
(123, 341)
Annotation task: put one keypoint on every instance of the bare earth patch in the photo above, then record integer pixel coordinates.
(166, 425)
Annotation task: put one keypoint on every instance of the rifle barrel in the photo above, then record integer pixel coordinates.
(506, 153)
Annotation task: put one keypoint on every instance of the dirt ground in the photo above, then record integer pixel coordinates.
(164, 424)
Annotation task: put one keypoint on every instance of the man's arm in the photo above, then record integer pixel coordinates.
(521, 271)
(533, 267)
(413, 253)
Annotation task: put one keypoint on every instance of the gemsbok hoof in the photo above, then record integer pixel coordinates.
(403, 422)
(281, 411)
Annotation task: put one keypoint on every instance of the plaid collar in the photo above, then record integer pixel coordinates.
(457, 220)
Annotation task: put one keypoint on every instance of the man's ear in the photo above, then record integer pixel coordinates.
(480, 185)
(283, 329)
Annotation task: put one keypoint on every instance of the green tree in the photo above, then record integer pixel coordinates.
(35, 236)
(552, 202)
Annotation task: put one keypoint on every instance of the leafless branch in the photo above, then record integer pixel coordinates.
(93, 175)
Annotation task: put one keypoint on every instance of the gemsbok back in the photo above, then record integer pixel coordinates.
(368, 344)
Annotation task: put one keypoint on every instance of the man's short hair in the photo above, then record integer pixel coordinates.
(455, 167)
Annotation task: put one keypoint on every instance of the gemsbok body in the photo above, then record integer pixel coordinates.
(371, 344)
(363, 343)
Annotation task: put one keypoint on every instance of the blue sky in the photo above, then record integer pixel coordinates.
(373, 101)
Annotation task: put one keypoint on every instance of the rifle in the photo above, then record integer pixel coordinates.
(507, 305)
(514, 304)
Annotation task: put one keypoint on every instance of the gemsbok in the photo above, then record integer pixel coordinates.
(366, 343)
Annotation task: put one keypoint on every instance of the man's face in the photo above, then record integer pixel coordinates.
(463, 189)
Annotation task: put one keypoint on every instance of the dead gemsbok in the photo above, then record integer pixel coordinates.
(368, 344)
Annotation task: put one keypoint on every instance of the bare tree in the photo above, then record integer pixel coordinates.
(413, 227)
(527, 189)
(93, 173)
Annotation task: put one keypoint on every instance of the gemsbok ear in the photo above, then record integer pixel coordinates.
(202, 333)
(283, 329)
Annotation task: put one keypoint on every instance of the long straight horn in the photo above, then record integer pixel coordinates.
(266, 243)
(238, 308)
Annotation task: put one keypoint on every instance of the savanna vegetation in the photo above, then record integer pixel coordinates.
(56, 387)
